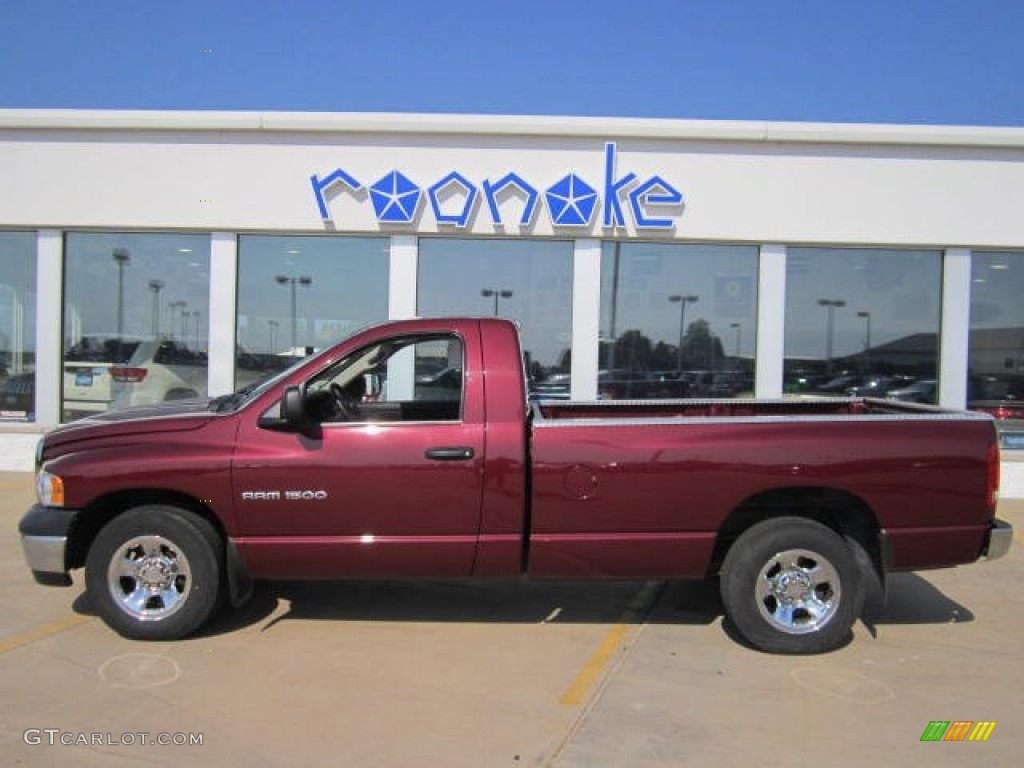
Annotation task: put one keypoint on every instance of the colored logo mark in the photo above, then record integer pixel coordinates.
(453, 185)
(571, 201)
(395, 198)
(958, 730)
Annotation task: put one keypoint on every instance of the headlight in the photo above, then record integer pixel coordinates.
(49, 489)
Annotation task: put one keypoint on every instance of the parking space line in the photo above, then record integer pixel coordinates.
(38, 633)
(578, 689)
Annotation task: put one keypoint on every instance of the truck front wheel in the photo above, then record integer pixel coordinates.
(792, 585)
(155, 573)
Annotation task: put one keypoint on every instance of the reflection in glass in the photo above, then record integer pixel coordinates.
(135, 325)
(863, 322)
(529, 281)
(17, 326)
(995, 381)
(668, 314)
(298, 294)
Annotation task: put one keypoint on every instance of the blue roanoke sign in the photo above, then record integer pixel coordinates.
(571, 201)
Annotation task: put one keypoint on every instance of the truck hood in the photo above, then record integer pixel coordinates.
(176, 416)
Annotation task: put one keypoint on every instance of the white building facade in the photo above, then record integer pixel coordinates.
(641, 257)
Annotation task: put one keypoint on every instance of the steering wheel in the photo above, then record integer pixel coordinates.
(348, 405)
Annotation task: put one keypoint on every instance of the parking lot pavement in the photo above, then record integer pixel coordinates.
(512, 674)
(947, 646)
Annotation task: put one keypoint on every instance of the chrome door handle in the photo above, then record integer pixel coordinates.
(449, 453)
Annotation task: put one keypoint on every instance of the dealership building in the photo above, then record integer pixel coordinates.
(154, 255)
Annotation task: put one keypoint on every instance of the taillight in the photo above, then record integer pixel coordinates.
(992, 484)
(128, 375)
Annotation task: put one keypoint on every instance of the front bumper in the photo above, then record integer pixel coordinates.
(44, 540)
(999, 538)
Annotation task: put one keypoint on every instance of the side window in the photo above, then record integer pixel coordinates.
(405, 379)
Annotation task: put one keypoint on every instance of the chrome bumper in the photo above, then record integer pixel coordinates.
(999, 539)
(44, 540)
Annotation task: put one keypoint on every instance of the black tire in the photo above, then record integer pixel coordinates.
(156, 573)
(792, 585)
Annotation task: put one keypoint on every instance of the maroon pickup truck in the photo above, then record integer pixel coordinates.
(411, 451)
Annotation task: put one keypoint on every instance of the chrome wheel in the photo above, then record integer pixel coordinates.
(798, 591)
(149, 578)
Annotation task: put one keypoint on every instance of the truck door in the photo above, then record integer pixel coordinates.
(387, 484)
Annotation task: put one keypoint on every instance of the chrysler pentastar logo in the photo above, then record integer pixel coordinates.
(571, 201)
(395, 198)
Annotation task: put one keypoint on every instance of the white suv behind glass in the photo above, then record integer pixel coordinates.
(159, 371)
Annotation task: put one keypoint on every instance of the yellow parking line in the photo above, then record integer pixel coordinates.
(577, 691)
(38, 633)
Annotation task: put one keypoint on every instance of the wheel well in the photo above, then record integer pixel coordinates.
(843, 512)
(104, 509)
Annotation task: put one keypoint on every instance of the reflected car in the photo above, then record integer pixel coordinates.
(879, 386)
(838, 385)
(1000, 396)
(922, 391)
(87, 381)
(553, 387)
(159, 371)
(17, 399)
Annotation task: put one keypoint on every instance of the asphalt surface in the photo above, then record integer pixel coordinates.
(507, 674)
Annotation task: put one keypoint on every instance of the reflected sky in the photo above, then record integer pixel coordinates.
(164, 286)
(347, 289)
(455, 273)
(900, 291)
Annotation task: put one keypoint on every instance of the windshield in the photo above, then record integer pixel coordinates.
(250, 392)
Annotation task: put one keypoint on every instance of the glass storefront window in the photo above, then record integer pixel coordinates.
(677, 320)
(995, 379)
(529, 281)
(298, 294)
(863, 321)
(135, 319)
(17, 326)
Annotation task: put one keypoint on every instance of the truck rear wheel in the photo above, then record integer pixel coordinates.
(792, 585)
(155, 573)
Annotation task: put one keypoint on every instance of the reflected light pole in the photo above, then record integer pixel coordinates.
(830, 305)
(156, 286)
(175, 306)
(867, 330)
(867, 340)
(502, 293)
(682, 300)
(273, 335)
(738, 327)
(122, 258)
(195, 317)
(293, 281)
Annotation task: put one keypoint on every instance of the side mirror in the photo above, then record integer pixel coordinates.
(293, 409)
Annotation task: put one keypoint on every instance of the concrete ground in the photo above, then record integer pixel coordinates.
(474, 675)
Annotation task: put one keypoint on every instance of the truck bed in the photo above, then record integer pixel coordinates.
(642, 488)
(554, 410)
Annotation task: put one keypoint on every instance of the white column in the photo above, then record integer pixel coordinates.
(771, 321)
(402, 274)
(49, 305)
(956, 322)
(586, 318)
(223, 321)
